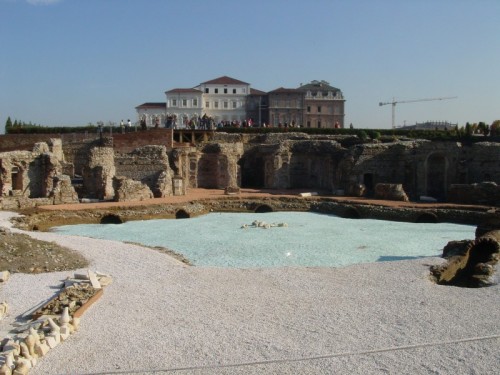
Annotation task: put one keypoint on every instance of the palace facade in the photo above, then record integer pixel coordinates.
(228, 100)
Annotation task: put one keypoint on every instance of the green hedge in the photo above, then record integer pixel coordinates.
(384, 135)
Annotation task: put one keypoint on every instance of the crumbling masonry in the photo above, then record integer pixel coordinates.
(150, 164)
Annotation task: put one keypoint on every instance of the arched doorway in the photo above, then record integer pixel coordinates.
(436, 168)
(252, 171)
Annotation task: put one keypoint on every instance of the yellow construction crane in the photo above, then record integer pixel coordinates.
(394, 102)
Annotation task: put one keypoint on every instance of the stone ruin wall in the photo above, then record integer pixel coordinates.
(301, 164)
(483, 162)
(149, 165)
(29, 173)
(99, 171)
(217, 165)
(36, 174)
(128, 142)
(406, 163)
(445, 170)
(423, 168)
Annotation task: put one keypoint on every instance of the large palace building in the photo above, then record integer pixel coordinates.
(226, 100)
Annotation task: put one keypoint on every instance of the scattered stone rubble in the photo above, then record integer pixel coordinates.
(51, 324)
(4, 307)
(264, 225)
(391, 192)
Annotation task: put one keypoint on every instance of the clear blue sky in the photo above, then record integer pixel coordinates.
(71, 62)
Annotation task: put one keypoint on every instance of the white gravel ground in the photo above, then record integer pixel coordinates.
(159, 316)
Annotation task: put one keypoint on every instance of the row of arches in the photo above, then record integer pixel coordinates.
(347, 212)
(434, 182)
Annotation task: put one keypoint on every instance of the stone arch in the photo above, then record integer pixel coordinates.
(350, 213)
(436, 171)
(111, 219)
(263, 208)
(182, 214)
(427, 217)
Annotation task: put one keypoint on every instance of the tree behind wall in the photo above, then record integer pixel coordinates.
(495, 128)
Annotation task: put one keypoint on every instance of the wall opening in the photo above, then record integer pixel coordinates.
(111, 219)
(252, 172)
(350, 213)
(182, 214)
(436, 176)
(427, 217)
(263, 208)
(16, 178)
(368, 181)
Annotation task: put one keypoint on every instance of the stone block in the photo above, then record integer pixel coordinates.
(13, 346)
(81, 276)
(75, 322)
(41, 349)
(93, 280)
(52, 341)
(65, 330)
(5, 370)
(4, 276)
(4, 309)
(105, 280)
(392, 192)
(232, 190)
(23, 367)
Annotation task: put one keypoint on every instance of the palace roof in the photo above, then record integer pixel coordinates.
(282, 90)
(318, 86)
(257, 92)
(224, 80)
(152, 105)
(182, 91)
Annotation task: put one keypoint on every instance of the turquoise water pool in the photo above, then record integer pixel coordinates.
(307, 239)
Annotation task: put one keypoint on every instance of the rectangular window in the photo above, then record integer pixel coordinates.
(319, 109)
(308, 108)
(234, 105)
(319, 124)
(225, 91)
(206, 90)
(308, 124)
(207, 104)
(216, 104)
(234, 91)
(184, 102)
(195, 102)
(226, 105)
(174, 102)
(216, 91)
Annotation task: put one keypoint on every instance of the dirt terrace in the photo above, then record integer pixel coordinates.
(203, 194)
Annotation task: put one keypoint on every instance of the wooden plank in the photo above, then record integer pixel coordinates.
(78, 313)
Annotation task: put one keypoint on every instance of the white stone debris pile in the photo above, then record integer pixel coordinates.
(50, 325)
(264, 225)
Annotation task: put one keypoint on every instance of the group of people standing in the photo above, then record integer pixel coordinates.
(128, 124)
